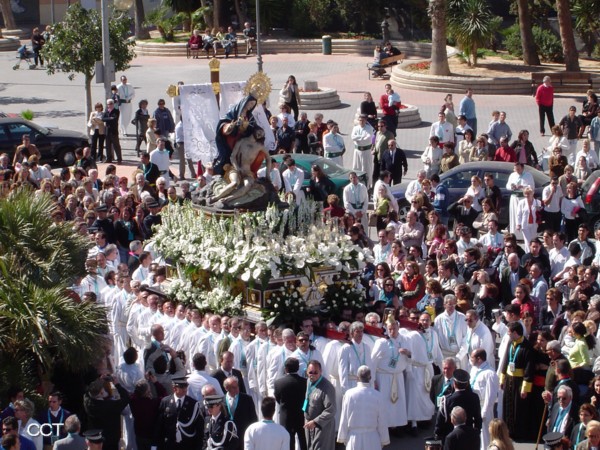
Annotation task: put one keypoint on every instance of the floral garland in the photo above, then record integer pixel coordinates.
(286, 304)
(217, 298)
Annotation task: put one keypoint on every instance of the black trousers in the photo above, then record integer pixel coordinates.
(552, 220)
(97, 144)
(112, 141)
(391, 122)
(546, 111)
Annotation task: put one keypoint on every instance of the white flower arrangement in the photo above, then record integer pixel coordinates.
(256, 247)
(344, 294)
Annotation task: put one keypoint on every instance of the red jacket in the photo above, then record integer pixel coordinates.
(505, 154)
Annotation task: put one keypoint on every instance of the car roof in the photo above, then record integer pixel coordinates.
(487, 165)
(13, 120)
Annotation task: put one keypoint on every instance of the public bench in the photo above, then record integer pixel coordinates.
(563, 81)
(385, 62)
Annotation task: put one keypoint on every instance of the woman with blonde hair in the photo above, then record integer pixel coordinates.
(499, 437)
(592, 433)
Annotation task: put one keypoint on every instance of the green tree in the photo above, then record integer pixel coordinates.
(186, 8)
(472, 24)
(76, 45)
(587, 22)
(39, 322)
(439, 55)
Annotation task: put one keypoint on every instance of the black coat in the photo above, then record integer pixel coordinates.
(244, 416)
(394, 167)
(437, 383)
(111, 119)
(168, 415)
(462, 437)
(220, 376)
(108, 227)
(290, 392)
(468, 400)
(457, 211)
(105, 415)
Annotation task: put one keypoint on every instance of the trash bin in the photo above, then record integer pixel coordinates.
(327, 45)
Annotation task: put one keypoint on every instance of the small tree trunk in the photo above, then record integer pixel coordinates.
(88, 95)
(207, 19)
(530, 56)
(239, 13)
(216, 14)
(439, 56)
(474, 52)
(566, 36)
(7, 15)
(141, 32)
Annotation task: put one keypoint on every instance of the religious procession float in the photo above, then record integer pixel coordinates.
(240, 249)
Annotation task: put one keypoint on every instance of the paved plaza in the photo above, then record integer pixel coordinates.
(56, 100)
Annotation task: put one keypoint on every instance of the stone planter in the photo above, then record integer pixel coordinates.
(408, 117)
(9, 44)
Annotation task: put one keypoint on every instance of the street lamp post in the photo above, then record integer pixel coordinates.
(106, 73)
(258, 53)
(108, 66)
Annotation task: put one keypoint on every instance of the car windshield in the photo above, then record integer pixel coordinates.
(329, 167)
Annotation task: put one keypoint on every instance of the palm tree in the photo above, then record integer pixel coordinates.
(439, 56)
(472, 25)
(530, 55)
(566, 35)
(39, 321)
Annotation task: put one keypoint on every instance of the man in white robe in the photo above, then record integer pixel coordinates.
(485, 383)
(208, 344)
(478, 336)
(418, 381)
(126, 95)
(517, 182)
(363, 425)
(362, 136)
(266, 434)
(451, 327)
(277, 357)
(391, 359)
(431, 340)
(356, 199)
(252, 351)
(293, 178)
(352, 356)
(306, 352)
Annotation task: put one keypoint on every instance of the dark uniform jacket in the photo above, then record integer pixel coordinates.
(220, 434)
(189, 430)
(466, 399)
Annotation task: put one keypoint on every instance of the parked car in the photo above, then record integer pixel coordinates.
(591, 199)
(55, 145)
(458, 180)
(338, 174)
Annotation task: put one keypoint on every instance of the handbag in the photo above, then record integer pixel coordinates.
(539, 214)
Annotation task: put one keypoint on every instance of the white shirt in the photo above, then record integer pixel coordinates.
(266, 435)
(293, 180)
(362, 136)
(126, 91)
(413, 188)
(275, 176)
(197, 380)
(356, 198)
(333, 143)
(558, 258)
(552, 204)
(521, 181)
(444, 131)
